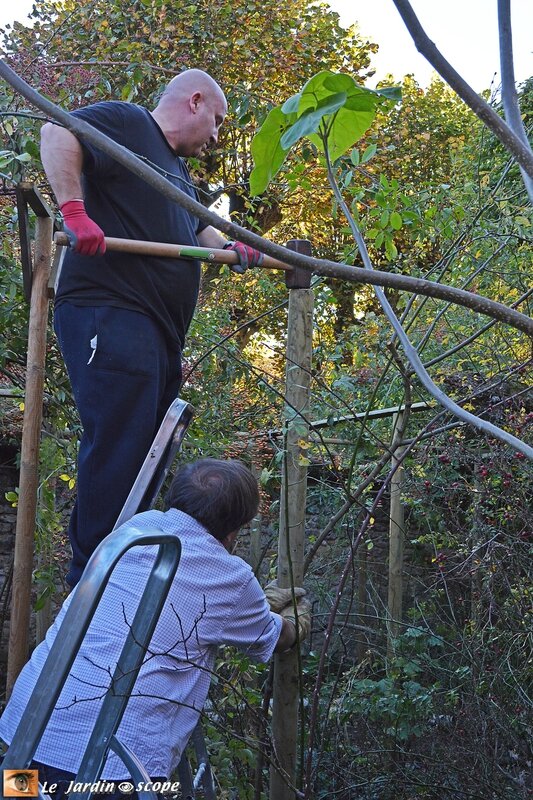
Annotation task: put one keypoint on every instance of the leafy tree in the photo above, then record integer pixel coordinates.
(96, 50)
(449, 207)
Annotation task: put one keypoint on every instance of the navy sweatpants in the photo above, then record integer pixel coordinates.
(123, 377)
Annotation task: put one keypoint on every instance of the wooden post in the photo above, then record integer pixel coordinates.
(396, 543)
(255, 532)
(362, 600)
(43, 616)
(292, 515)
(29, 457)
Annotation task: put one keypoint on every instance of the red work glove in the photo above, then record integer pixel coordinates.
(84, 234)
(248, 256)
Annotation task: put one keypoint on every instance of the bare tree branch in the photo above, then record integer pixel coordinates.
(410, 351)
(513, 143)
(509, 95)
(86, 132)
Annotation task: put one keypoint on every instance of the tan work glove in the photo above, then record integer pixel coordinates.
(303, 608)
(279, 598)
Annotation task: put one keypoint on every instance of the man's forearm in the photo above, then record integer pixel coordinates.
(210, 237)
(62, 158)
(287, 637)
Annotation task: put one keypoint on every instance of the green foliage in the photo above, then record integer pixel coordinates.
(434, 198)
(401, 708)
(399, 703)
(235, 705)
(331, 110)
(94, 51)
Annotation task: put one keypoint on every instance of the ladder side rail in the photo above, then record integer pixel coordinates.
(71, 633)
(167, 459)
(158, 461)
(135, 767)
(129, 663)
(204, 775)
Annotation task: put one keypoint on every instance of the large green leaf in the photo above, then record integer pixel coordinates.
(267, 152)
(326, 83)
(310, 119)
(290, 106)
(331, 103)
(322, 85)
(353, 119)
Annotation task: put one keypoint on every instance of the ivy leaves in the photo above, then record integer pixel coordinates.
(331, 110)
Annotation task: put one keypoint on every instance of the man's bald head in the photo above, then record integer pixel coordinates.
(190, 81)
(190, 112)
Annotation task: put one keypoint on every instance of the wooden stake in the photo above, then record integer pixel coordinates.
(362, 600)
(255, 532)
(29, 457)
(396, 544)
(292, 517)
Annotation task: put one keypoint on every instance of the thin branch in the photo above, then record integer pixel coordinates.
(28, 114)
(409, 350)
(474, 335)
(427, 335)
(145, 66)
(509, 95)
(512, 143)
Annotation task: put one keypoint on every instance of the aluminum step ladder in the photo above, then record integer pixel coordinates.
(78, 617)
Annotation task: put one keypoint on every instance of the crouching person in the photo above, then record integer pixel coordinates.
(214, 600)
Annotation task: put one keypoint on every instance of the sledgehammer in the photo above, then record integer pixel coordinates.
(211, 255)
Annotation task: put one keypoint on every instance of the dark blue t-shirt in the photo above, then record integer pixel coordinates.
(124, 206)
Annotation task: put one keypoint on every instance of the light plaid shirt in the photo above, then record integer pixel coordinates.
(214, 600)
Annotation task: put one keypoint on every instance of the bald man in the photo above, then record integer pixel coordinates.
(121, 319)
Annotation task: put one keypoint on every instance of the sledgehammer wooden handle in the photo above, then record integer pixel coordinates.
(175, 251)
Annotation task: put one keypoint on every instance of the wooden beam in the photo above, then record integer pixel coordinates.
(35, 200)
(377, 413)
(28, 195)
(29, 457)
(25, 242)
(396, 545)
(285, 698)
